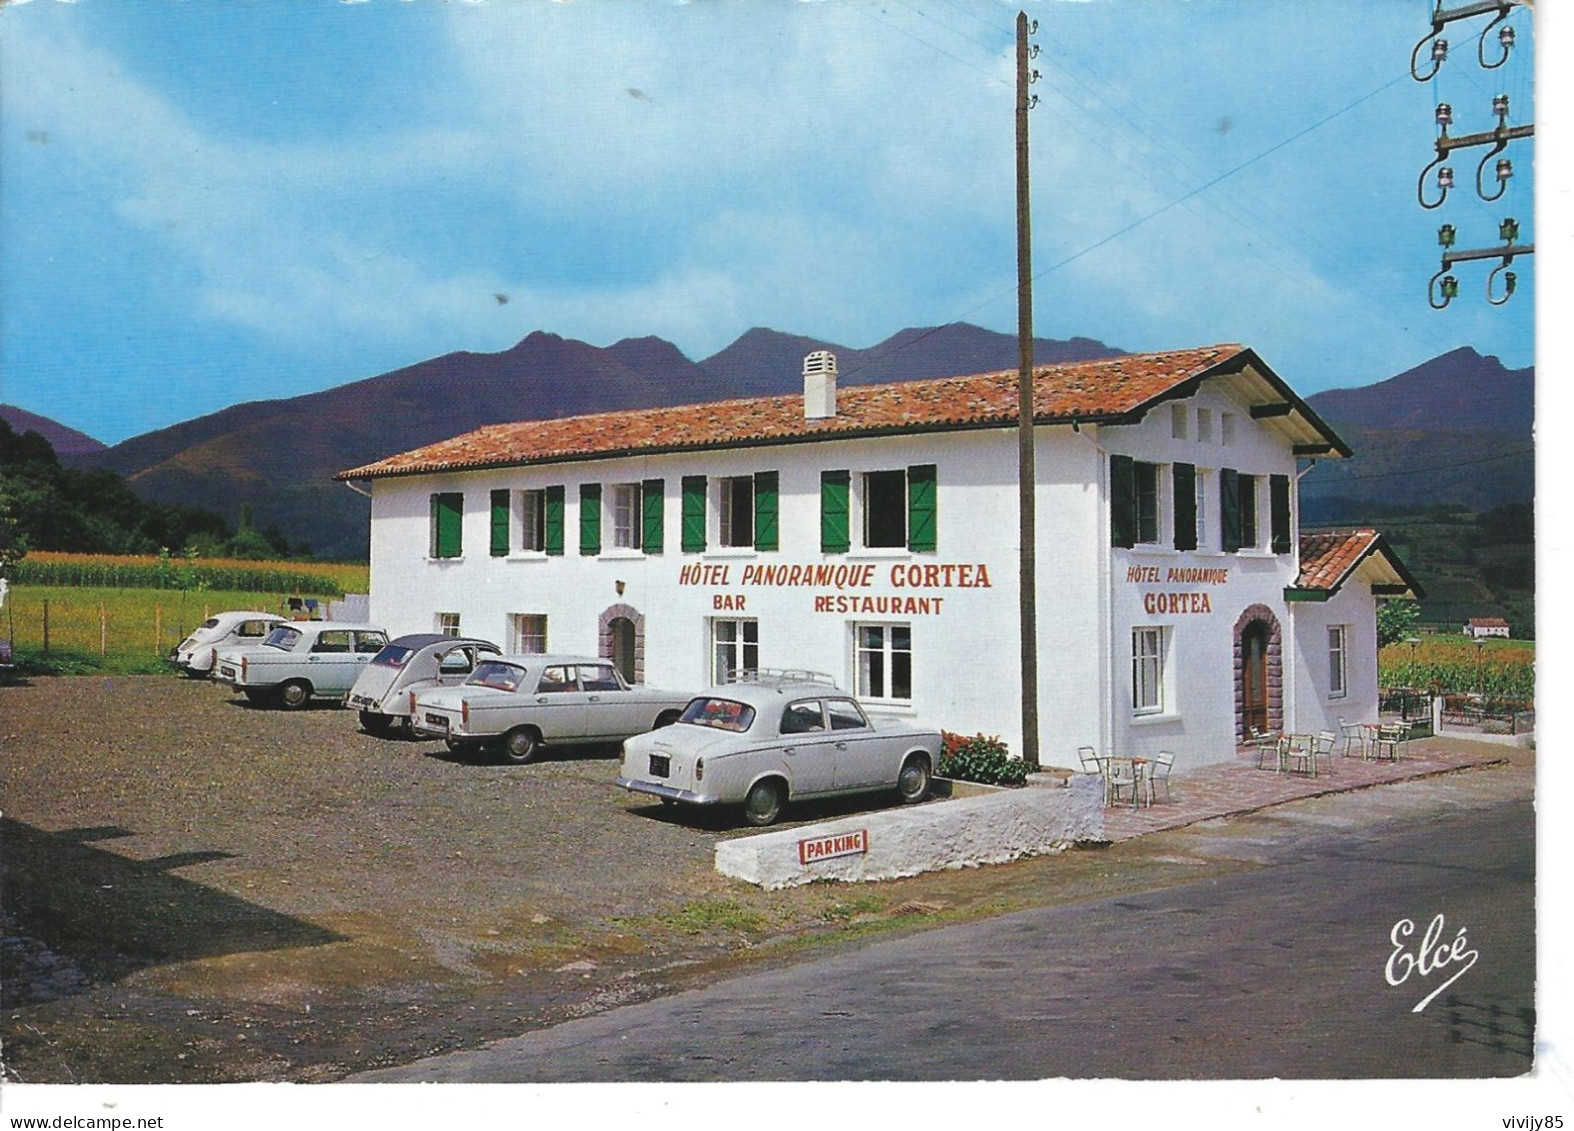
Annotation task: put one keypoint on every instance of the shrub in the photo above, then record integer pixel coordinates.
(982, 759)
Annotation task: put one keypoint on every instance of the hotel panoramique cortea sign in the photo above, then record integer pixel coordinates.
(1166, 602)
(843, 588)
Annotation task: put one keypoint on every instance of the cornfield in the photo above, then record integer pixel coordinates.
(1456, 665)
(112, 571)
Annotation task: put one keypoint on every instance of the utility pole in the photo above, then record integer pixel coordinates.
(1026, 470)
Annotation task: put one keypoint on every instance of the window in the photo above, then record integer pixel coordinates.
(885, 662)
(735, 646)
(845, 715)
(1227, 428)
(1204, 426)
(1146, 485)
(598, 677)
(1178, 417)
(803, 718)
(527, 634)
(589, 519)
(532, 521)
(557, 681)
(447, 526)
(627, 516)
(1147, 671)
(1134, 502)
(499, 527)
(885, 508)
(735, 511)
(448, 624)
(1247, 485)
(1279, 513)
(332, 642)
(1337, 654)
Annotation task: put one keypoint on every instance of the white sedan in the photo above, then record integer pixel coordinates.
(195, 655)
(765, 743)
(522, 703)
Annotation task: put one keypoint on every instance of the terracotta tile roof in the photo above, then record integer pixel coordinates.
(1089, 390)
(1487, 622)
(1329, 557)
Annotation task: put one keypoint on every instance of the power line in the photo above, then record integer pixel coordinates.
(1438, 467)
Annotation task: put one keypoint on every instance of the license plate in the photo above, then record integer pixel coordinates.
(660, 765)
(227, 672)
(440, 721)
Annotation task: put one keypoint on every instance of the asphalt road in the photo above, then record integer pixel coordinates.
(1275, 972)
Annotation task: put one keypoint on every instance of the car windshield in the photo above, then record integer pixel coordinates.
(500, 677)
(283, 637)
(723, 714)
(393, 656)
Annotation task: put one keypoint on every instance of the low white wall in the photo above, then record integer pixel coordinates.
(962, 833)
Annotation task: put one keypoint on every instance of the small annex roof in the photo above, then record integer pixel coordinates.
(1487, 622)
(1329, 558)
(1117, 390)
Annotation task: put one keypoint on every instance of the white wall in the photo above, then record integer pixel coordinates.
(1316, 708)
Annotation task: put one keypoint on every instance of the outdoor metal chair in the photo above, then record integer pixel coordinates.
(1089, 760)
(1159, 771)
(1298, 752)
(1353, 735)
(1119, 774)
(1389, 740)
(1267, 744)
(1323, 747)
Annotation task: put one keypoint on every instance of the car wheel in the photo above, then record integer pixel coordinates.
(457, 747)
(294, 694)
(375, 722)
(257, 695)
(913, 782)
(764, 804)
(521, 745)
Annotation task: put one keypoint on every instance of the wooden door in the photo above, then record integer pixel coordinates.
(1254, 676)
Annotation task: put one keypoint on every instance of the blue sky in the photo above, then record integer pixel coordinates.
(204, 203)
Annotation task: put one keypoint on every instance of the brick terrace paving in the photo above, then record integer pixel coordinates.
(1228, 789)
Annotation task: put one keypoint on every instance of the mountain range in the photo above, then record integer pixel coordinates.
(1456, 428)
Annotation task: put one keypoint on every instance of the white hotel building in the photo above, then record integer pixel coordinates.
(871, 533)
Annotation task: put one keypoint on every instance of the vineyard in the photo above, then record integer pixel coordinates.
(81, 613)
(1457, 665)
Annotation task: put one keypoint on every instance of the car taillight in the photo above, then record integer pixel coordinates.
(412, 704)
(243, 662)
(699, 769)
(464, 714)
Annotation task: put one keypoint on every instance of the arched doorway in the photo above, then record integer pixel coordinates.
(622, 635)
(1259, 673)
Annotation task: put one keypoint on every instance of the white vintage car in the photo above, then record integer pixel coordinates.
(301, 660)
(522, 703)
(769, 740)
(384, 693)
(195, 655)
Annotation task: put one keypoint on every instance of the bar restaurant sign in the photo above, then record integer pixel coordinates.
(1160, 602)
(829, 847)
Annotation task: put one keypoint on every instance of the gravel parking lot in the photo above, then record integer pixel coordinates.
(199, 889)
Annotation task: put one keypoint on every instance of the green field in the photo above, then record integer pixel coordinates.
(121, 631)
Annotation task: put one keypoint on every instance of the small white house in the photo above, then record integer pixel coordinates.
(1480, 627)
(871, 532)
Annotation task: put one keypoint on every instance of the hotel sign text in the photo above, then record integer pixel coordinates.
(1163, 603)
(848, 584)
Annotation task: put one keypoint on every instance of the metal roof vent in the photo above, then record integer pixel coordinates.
(819, 385)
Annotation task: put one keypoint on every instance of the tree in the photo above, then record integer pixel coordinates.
(1395, 620)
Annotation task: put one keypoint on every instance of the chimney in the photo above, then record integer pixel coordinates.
(819, 385)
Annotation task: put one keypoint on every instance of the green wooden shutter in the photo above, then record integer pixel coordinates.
(499, 523)
(1279, 512)
(552, 521)
(447, 525)
(1122, 501)
(590, 519)
(835, 531)
(693, 535)
(767, 527)
(921, 506)
(1229, 510)
(651, 515)
(1185, 483)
